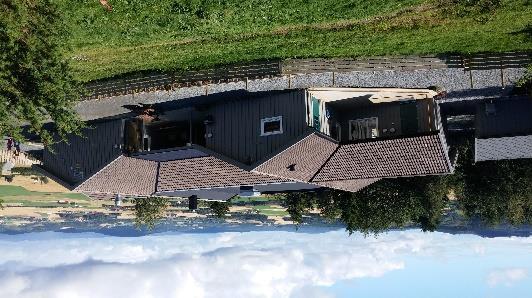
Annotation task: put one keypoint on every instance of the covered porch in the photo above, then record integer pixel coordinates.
(355, 114)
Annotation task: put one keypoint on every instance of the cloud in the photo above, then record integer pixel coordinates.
(507, 277)
(251, 264)
(256, 264)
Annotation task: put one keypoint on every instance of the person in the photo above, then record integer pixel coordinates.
(17, 147)
(9, 143)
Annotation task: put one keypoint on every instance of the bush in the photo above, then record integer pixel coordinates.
(524, 85)
(219, 208)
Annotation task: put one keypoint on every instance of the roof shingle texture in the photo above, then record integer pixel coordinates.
(503, 148)
(206, 172)
(307, 156)
(125, 175)
(352, 185)
(423, 155)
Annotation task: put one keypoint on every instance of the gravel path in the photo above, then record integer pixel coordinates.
(460, 84)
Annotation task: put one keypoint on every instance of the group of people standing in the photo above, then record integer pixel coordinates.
(12, 143)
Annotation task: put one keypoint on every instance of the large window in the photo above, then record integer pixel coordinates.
(366, 128)
(271, 126)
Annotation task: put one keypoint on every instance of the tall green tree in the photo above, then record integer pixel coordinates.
(149, 210)
(36, 84)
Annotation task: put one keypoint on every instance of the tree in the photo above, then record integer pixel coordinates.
(498, 191)
(298, 203)
(219, 209)
(36, 84)
(149, 210)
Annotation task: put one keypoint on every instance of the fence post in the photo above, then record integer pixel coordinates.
(289, 81)
(502, 71)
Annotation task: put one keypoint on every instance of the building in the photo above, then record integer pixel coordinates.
(221, 145)
(503, 129)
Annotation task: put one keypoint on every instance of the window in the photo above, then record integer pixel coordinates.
(360, 129)
(271, 126)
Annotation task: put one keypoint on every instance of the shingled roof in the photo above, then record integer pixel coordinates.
(206, 172)
(503, 148)
(300, 161)
(412, 156)
(141, 177)
(315, 159)
(125, 175)
(322, 161)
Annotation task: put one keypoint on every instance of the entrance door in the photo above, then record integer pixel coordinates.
(316, 114)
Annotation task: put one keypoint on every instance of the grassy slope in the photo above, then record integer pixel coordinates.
(151, 34)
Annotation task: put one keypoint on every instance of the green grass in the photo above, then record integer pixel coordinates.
(11, 192)
(271, 210)
(191, 34)
(253, 199)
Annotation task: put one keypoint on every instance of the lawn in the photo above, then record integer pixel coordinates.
(19, 195)
(141, 35)
(270, 210)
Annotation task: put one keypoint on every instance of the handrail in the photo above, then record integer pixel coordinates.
(273, 68)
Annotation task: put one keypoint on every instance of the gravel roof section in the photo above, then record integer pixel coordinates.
(503, 148)
(413, 156)
(206, 172)
(124, 175)
(352, 185)
(307, 156)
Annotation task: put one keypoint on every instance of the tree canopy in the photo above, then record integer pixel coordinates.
(497, 191)
(389, 203)
(35, 81)
(149, 210)
(219, 209)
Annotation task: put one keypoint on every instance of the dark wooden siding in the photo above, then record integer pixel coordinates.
(512, 118)
(389, 115)
(83, 156)
(236, 129)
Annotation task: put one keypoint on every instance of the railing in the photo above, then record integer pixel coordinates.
(302, 66)
(167, 81)
(263, 69)
(22, 160)
(497, 61)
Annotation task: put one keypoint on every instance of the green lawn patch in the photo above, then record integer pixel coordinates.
(11, 191)
(237, 199)
(178, 35)
(271, 210)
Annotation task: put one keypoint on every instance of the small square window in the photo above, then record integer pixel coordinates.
(271, 126)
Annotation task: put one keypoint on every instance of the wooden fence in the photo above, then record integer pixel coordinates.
(497, 61)
(22, 160)
(263, 69)
(305, 66)
(168, 81)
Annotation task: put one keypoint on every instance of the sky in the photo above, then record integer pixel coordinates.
(264, 264)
